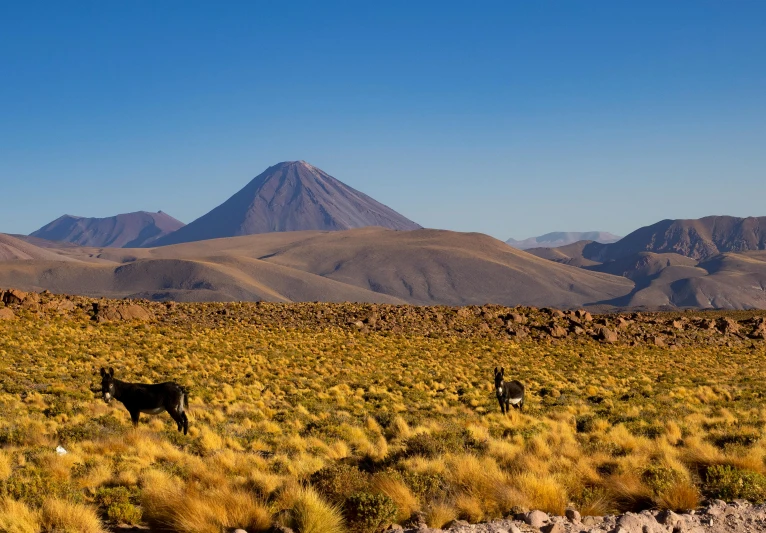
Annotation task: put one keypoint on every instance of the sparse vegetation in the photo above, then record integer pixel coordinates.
(345, 428)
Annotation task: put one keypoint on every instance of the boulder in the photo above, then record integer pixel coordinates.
(6, 314)
(604, 334)
(573, 515)
(556, 331)
(13, 296)
(518, 319)
(536, 519)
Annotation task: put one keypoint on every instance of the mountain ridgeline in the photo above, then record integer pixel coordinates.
(128, 230)
(290, 196)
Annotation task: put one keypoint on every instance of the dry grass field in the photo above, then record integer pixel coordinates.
(349, 427)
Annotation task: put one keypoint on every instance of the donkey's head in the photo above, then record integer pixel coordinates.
(499, 375)
(107, 383)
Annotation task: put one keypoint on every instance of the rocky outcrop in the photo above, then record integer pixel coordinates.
(716, 517)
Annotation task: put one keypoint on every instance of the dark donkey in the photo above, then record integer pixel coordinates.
(508, 392)
(150, 399)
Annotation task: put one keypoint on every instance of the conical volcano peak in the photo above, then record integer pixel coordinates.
(291, 196)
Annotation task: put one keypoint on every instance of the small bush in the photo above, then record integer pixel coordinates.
(338, 481)
(124, 513)
(435, 444)
(368, 513)
(660, 478)
(729, 483)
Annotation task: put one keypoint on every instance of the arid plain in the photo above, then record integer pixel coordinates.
(324, 417)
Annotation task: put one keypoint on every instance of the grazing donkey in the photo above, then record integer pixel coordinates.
(508, 392)
(150, 399)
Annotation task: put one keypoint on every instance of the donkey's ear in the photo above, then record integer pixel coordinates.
(502, 370)
(111, 371)
(103, 371)
(495, 370)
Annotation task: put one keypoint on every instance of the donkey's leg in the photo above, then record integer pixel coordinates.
(186, 422)
(134, 417)
(178, 417)
(502, 404)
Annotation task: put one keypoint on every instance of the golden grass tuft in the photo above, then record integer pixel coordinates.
(680, 497)
(543, 492)
(17, 517)
(309, 513)
(63, 516)
(438, 514)
(190, 510)
(405, 501)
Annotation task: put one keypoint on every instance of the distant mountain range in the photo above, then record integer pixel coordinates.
(716, 261)
(562, 238)
(290, 196)
(294, 233)
(129, 230)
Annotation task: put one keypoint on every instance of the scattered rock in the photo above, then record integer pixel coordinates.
(455, 524)
(552, 528)
(727, 325)
(7, 314)
(573, 515)
(536, 519)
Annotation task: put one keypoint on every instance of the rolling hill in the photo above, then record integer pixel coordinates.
(290, 196)
(364, 265)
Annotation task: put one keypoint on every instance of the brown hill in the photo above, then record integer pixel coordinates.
(290, 196)
(370, 264)
(128, 230)
(13, 250)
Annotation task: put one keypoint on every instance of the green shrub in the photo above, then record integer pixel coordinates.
(729, 483)
(338, 481)
(124, 513)
(369, 513)
(660, 478)
(442, 442)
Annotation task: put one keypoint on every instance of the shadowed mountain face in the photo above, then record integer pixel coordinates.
(129, 230)
(290, 196)
(562, 238)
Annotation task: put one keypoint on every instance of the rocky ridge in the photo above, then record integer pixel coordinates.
(669, 330)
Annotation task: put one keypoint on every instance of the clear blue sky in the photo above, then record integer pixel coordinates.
(508, 118)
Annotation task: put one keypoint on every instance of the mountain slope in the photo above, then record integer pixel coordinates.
(290, 196)
(563, 238)
(128, 230)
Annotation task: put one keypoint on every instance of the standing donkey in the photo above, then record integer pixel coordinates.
(150, 399)
(508, 392)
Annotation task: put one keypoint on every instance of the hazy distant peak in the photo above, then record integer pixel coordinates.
(563, 238)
